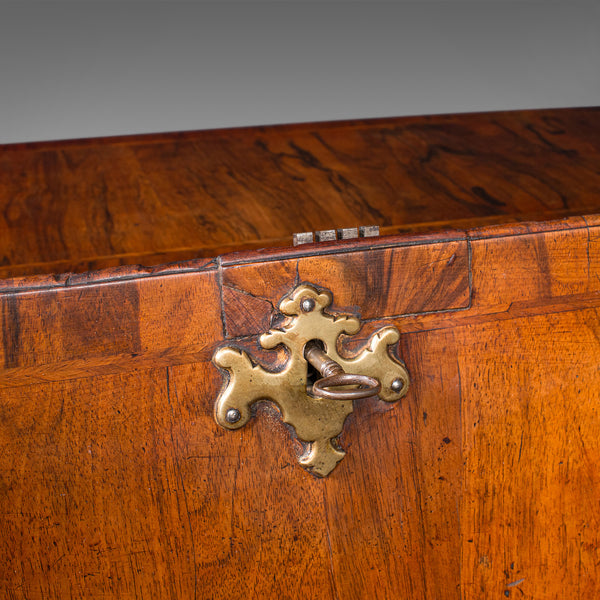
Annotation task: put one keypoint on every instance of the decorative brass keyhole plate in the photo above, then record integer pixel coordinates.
(316, 420)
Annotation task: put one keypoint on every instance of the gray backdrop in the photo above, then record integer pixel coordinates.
(78, 69)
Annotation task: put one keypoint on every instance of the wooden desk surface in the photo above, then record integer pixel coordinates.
(88, 204)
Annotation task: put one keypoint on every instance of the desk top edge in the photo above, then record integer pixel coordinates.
(100, 203)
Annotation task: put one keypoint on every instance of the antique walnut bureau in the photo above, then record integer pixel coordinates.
(158, 324)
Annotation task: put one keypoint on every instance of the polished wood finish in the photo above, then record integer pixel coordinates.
(91, 204)
(483, 482)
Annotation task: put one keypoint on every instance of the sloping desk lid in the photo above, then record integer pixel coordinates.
(84, 205)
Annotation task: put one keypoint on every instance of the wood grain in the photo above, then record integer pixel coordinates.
(530, 515)
(133, 491)
(119, 322)
(251, 292)
(110, 322)
(91, 204)
(99, 515)
(398, 495)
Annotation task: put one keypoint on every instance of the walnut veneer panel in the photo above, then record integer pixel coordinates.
(530, 513)
(123, 486)
(74, 329)
(91, 204)
(252, 289)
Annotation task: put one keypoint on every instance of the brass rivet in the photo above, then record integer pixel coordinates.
(307, 305)
(397, 385)
(233, 415)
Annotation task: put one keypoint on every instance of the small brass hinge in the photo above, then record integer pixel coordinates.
(330, 235)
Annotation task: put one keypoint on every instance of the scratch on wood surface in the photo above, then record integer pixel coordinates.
(222, 299)
(297, 278)
(331, 570)
(180, 475)
(587, 250)
(239, 290)
(463, 482)
(521, 446)
(234, 493)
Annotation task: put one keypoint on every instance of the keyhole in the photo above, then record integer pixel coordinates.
(312, 374)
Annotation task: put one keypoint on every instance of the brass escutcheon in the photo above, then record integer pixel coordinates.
(318, 415)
